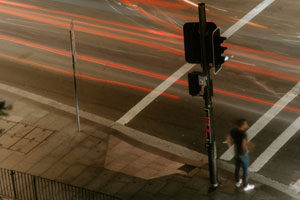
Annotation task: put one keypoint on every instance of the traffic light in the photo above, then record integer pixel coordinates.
(194, 85)
(218, 50)
(192, 44)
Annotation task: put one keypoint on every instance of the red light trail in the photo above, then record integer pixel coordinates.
(72, 15)
(258, 70)
(131, 69)
(30, 15)
(83, 76)
(19, 13)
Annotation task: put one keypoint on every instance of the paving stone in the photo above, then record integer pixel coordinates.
(12, 160)
(68, 145)
(47, 146)
(20, 130)
(6, 125)
(147, 173)
(75, 155)
(38, 134)
(4, 153)
(71, 173)
(113, 187)
(184, 193)
(99, 134)
(53, 121)
(102, 179)
(132, 188)
(197, 183)
(125, 178)
(94, 156)
(24, 145)
(90, 142)
(51, 158)
(154, 186)
(86, 176)
(113, 141)
(161, 196)
(7, 141)
(18, 114)
(141, 162)
(116, 165)
(171, 188)
(200, 196)
(35, 116)
(42, 166)
(142, 195)
(121, 147)
(55, 170)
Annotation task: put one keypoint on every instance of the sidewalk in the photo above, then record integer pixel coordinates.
(43, 141)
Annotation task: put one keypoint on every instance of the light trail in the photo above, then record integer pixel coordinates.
(134, 70)
(151, 31)
(82, 57)
(191, 3)
(83, 29)
(94, 32)
(260, 52)
(259, 58)
(32, 16)
(72, 15)
(150, 16)
(83, 76)
(278, 75)
(225, 17)
(161, 4)
(97, 26)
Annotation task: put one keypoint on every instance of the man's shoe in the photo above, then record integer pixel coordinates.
(249, 187)
(238, 184)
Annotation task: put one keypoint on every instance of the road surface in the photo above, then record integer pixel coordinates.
(126, 48)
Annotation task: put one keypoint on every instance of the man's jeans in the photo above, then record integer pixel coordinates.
(241, 161)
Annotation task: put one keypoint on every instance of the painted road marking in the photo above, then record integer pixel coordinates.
(133, 112)
(266, 118)
(248, 17)
(275, 146)
(296, 186)
(154, 94)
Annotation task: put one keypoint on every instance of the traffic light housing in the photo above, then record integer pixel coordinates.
(194, 85)
(218, 50)
(192, 44)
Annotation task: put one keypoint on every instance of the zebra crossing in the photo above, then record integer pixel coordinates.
(270, 151)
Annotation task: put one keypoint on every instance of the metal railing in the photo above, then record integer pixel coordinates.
(21, 186)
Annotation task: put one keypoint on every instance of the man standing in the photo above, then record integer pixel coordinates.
(238, 138)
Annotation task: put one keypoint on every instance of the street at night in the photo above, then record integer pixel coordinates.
(133, 94)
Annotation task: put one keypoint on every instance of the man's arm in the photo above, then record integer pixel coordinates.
(229, 140)
(245, 145)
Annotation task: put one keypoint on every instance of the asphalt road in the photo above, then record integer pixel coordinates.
(126, 48)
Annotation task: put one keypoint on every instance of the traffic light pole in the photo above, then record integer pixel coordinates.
(208, 89)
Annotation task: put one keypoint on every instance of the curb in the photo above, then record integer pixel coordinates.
(147, 142)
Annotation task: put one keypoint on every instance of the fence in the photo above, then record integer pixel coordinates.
(20, 186)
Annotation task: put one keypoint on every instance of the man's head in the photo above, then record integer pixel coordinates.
(242, 124)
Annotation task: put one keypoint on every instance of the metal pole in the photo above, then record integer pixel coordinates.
(73, 49)
(210, 138)
(13, 181)
(34, 188)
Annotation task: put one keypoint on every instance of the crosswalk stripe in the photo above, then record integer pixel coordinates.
(266, 118)
(275, 146)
